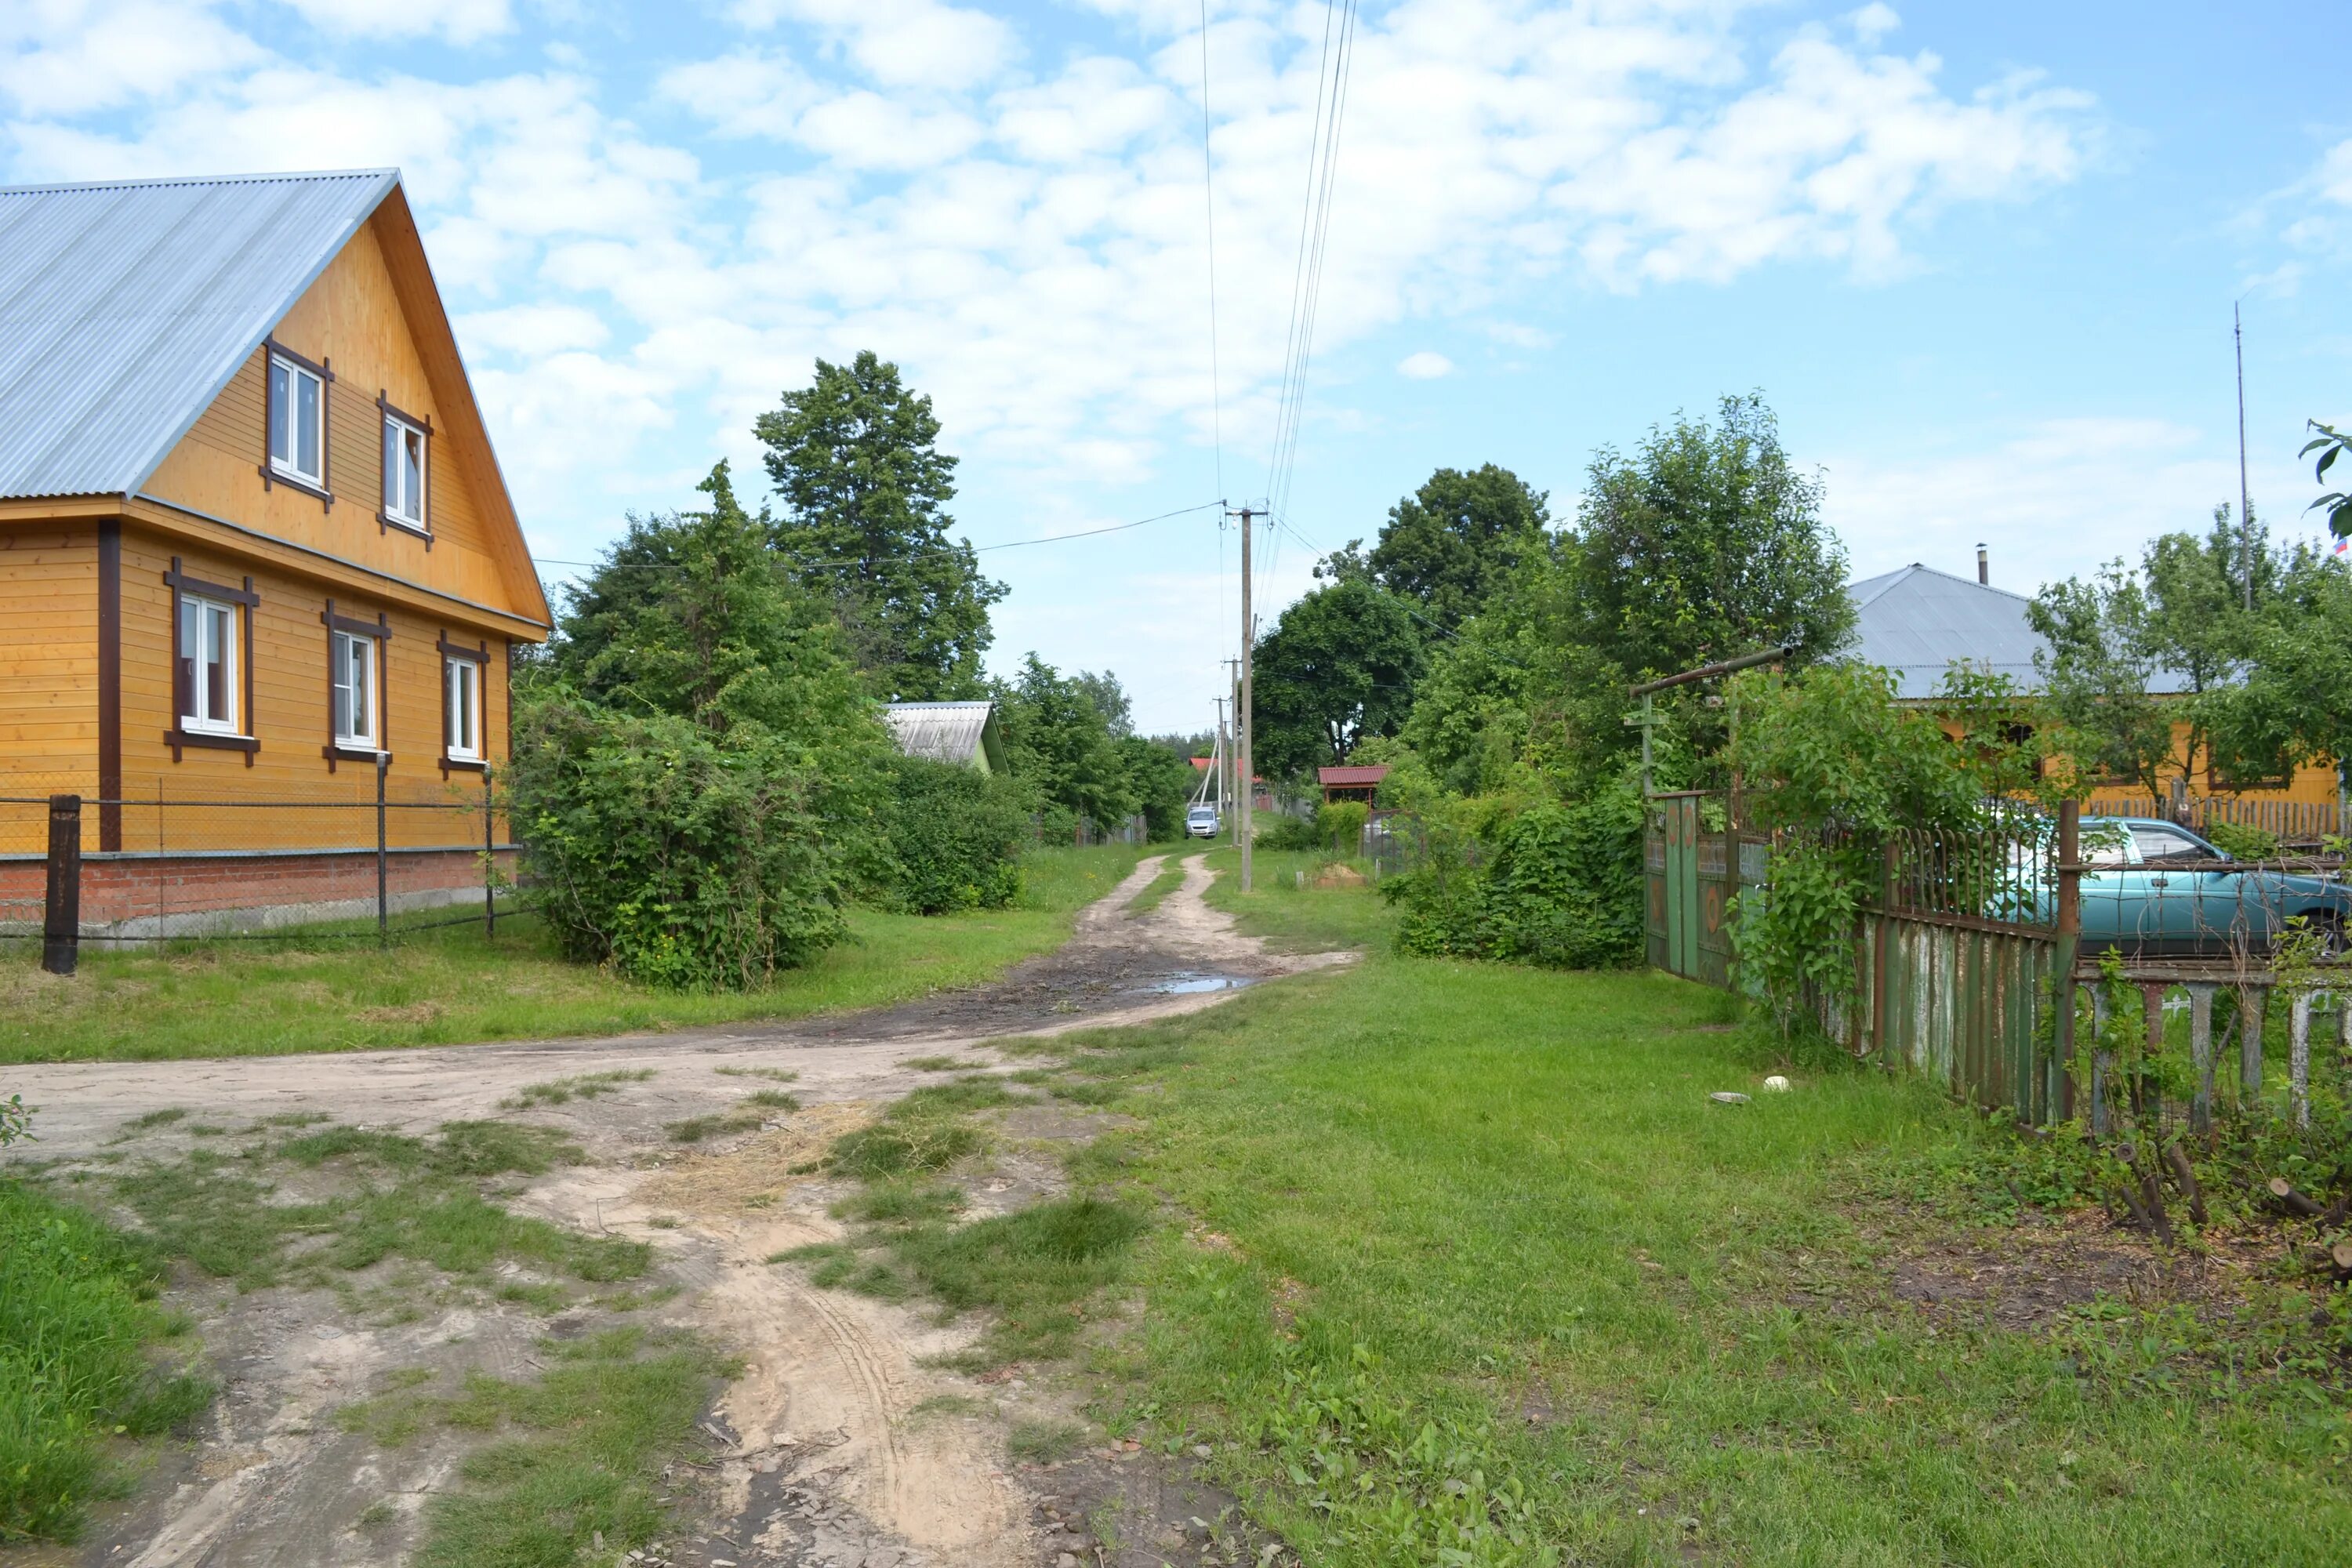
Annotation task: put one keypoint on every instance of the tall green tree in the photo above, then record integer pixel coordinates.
(1339, 665)
(1059, 746)
(1707, 543)
(690, 616)
(855, 456)
(1110, 700)
(2136, 659)
(1448, 546)
(2293, 706)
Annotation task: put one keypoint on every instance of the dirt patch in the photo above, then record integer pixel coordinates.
(1337, 875)
(2027, 1275)
(1122, 1506)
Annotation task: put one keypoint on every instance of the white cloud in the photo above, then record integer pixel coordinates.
(1426, 365)
(742, 94)
(2052, 502)
(1873, 22)
(900, 43)
(459, 21)
(534, 332)
(70, 56)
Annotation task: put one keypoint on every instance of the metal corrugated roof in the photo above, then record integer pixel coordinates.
(126, 307)
(1349, 776)
(1918, 622)
(956, 732)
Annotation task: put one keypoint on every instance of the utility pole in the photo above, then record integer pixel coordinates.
(2245, 502)
(1243, 765)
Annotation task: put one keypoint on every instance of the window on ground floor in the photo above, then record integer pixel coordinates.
(208, 654)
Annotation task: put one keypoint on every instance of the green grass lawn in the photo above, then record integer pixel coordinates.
(1466, 1267)
(452, 985)
(1284, 906)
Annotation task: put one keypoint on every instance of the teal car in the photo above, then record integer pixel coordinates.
(2162, 890)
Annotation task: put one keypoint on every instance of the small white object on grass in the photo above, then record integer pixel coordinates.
(1726, 1097)
(1777, 1084)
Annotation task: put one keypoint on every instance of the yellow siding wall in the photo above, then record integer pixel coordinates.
(350, 321)
(48, 658)
(290, 717)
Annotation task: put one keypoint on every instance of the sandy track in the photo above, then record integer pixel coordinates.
(827, 1454)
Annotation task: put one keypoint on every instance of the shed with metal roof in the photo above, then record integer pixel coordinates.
(965, 733)
(1918, 622)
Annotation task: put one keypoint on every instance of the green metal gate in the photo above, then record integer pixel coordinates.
(1673, 874)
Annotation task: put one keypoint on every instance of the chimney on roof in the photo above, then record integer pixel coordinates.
(1984, 570)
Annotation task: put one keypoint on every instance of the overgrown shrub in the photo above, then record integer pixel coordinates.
(2243, 843)
(954, 837)
(1287, 832)
(680, 856)
(1556, 885)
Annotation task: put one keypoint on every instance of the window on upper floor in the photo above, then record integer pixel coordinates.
(207, 674)
(462, 708)
(298, 421)
(353, 680)
(404, 472)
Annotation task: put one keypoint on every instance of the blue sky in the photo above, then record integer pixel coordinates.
(1981, 257)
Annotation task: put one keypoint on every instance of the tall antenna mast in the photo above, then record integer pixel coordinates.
(2246, 503)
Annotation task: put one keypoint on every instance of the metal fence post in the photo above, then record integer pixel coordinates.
(383, 894)
(489, 861)
(61, 918)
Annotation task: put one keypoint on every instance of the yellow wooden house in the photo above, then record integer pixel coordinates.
(1918, 622)
(255, 553)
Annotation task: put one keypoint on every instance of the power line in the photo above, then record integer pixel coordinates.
(936, 550)
(1209, 203)
(1314, 236)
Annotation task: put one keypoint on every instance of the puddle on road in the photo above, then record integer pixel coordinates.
(1190, 984)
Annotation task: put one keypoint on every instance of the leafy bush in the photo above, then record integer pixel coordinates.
(2243, 843)
(1339, 825)
(1556, 885)
(955, 836)
(1288, 832)
(680, 858)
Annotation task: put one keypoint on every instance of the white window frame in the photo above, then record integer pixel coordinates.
(461, 675)
(287, 405)
(197, 698)
(406, 509)
(351, 737)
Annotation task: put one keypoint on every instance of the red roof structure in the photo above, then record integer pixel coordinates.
(1351, 783)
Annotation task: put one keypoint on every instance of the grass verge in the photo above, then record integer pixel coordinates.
(577, 1454)
(451, 985)
(79, 1329)
(1473, 1272)
(1289, 911)
(1170, 877)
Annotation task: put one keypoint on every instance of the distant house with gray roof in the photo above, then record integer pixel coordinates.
(965, 733)
(1918, 622)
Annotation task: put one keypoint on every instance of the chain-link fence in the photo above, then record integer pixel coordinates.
(362, 850)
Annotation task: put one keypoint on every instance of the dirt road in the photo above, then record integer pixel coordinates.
(836, 1445)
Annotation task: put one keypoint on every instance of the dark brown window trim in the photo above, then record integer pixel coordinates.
(479, 658)
(207, 740)
(109, 682)
(322, 368)
(387, 409)
(177, 737)
(181, 582)
(380, 629)
(271, 473)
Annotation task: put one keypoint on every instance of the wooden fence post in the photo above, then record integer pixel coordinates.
(61, 918)
(2200, 1056)
(2060, 1094)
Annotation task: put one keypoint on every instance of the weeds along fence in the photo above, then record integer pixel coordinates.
(360, 849)
(1980, 959)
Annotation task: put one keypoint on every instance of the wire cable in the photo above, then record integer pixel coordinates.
(1209, 204)
(939, 550)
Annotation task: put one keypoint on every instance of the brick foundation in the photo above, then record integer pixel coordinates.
(145, 895)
